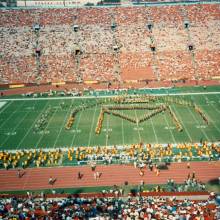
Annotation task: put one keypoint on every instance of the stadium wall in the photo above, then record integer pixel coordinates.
(92, 3)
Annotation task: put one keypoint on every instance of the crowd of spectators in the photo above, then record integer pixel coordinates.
(105, 208)
(64, 54)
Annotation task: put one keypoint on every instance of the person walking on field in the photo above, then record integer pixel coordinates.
(50, 181)
(19, 173)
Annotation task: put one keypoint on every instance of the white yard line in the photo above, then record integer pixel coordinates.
(174, 140)
(218, 98)
(137, 126)
(213, 106)
(63, 124)
(50, 119)
(156, 138)
(107, 127)
(93, 120)
(207, 138)
(65, 149)
(122, 128)
(15, 111)
(179, 117)
(21, 141)
(17, 125)
(213, 121)
(76, 129)
(5, 106)
(108, 96)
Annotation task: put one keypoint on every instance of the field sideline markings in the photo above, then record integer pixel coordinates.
(21, 141)
(213, 121)
(107, 127)
(120, 146)
(74, 136)
(156, 138)
(93, 119)
(15, 128)
(122, 127)
(169, 126)
(207, 138)
(11, 115)
(48, 122)
(187, 132)
(137, 126)
(212, 104)
(4, 107)
(107, 96)
(63, 124)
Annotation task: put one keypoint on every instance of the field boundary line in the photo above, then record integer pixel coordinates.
(108, 96)
(4, 107)
(120, 146)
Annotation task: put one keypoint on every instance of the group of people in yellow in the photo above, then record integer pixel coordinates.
(144, 151)
(140, 152)
(69, 122)
(176, 121)
(197, 109)
(100, 120)
(27, 158)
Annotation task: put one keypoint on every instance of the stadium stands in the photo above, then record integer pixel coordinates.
(182, 42)
(106, 208)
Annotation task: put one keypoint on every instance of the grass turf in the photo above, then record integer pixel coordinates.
(18, 117)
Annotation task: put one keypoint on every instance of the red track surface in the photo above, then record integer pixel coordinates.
(37, 178)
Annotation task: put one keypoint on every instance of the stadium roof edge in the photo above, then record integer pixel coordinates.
(134, 4)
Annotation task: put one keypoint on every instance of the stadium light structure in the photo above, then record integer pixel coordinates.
(191, 47)
(186, 24)
(36, 27)
(153, 48)
(113, 26)
(149, 26)
(75, 28)
(38, 52)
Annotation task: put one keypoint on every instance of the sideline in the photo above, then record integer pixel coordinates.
(107, 96)
(119, 147)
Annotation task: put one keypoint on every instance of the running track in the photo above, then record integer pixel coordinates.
(37, 178)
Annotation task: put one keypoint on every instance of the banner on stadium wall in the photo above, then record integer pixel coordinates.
(16, 86)
(216, 77)
(58, 83)
(130, 81)
(47, 3)
(91, 81)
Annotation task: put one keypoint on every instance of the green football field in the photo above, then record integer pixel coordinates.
(18, 120)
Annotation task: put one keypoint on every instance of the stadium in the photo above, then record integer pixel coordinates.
(110, 110)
